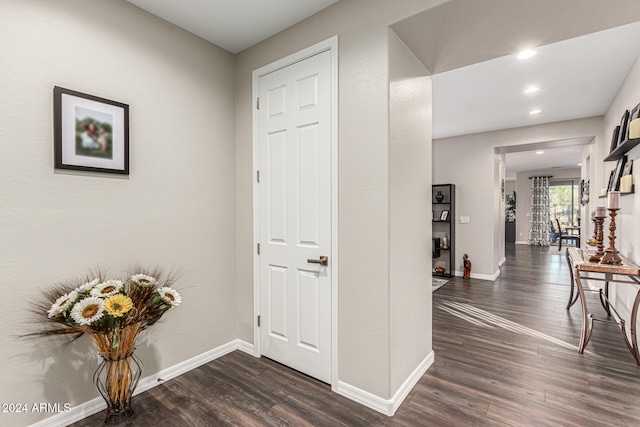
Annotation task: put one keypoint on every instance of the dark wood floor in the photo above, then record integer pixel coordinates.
(504, 357)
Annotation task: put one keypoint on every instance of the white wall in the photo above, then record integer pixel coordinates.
(364, 272)
(409, 206)
(175, 209)
(469, 162)
(627, 224)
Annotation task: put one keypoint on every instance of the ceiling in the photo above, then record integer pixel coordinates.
(233, 25)
(578, 77)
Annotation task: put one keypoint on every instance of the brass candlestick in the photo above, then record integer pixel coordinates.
(611, 254)
(598, 234)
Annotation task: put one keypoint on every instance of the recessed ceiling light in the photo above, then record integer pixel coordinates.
(539, 152)
(532, 89)
(527, 53)
(535, 111)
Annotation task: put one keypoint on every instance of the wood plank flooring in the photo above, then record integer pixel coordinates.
(504, 356)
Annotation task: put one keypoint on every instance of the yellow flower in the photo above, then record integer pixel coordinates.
(118, 305)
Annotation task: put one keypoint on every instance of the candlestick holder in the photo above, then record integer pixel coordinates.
(611, 254)
(593, 241)
(598, 234)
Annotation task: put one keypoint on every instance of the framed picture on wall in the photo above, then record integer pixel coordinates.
(90, 133)
(611, 181)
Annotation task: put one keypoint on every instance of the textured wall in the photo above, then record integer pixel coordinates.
(175, 209)
(409, 206)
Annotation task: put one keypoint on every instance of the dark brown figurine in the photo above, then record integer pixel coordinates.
(467, 266)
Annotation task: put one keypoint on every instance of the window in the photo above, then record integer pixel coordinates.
(564, 202)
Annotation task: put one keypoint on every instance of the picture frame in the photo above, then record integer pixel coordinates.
(624, 125)
(611, 180)
(614, 139)
(618, 173)
(628, 168)
(91, 134)
(635, 113)
(444, 215)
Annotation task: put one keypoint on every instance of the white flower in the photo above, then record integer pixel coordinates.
(87, 286)
(106, 289)
(63, 303)
(88, 310)
(169, 296)
(143, 280)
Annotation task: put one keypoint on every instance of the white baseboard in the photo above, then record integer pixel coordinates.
(96, 405)
(377, 403)
(490, 277)
(522, 242)
(502, 261)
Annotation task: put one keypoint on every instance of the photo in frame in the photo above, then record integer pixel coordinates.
(444, 215)
(611, 180)
(635, 113)
(614, 139)
(90, 133)
(624, 128)
(628, 168)
(618, 173)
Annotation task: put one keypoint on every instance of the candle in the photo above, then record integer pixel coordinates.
(601, 212)
(613, 200)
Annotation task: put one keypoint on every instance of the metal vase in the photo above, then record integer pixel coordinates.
(116, 379)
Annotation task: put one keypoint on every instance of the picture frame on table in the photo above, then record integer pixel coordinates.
(91, 134)
(618, 173)
(444, 215)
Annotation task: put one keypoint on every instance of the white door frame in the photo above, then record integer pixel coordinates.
(330, 45)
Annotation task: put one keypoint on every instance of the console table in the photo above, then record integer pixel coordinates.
(580, 269)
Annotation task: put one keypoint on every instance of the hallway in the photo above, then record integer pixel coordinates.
(505, 355)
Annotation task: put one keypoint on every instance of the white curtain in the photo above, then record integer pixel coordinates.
(539, 230)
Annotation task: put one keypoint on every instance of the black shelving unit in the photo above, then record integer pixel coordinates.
(622, 149)
(441, 226)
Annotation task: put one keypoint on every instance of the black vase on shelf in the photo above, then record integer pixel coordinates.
(439, 197)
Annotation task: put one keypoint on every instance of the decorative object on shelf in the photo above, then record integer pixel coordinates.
(90, 133)
(618, 173)
(113, 313)
(624, 128)
(510, 210)
(439, 271)
(444, 215)
(445, 242)
(611, 254)
(634, 129)
(614, 139)
(599, 215)
(626, 184)
(467, 266)
(584, 192)
(439, 197)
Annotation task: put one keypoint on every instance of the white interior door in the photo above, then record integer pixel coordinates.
(295, 215)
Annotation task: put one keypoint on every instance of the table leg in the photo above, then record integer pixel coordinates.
(634, 340)
(605, 301)
(572, 299)
(587, 318)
